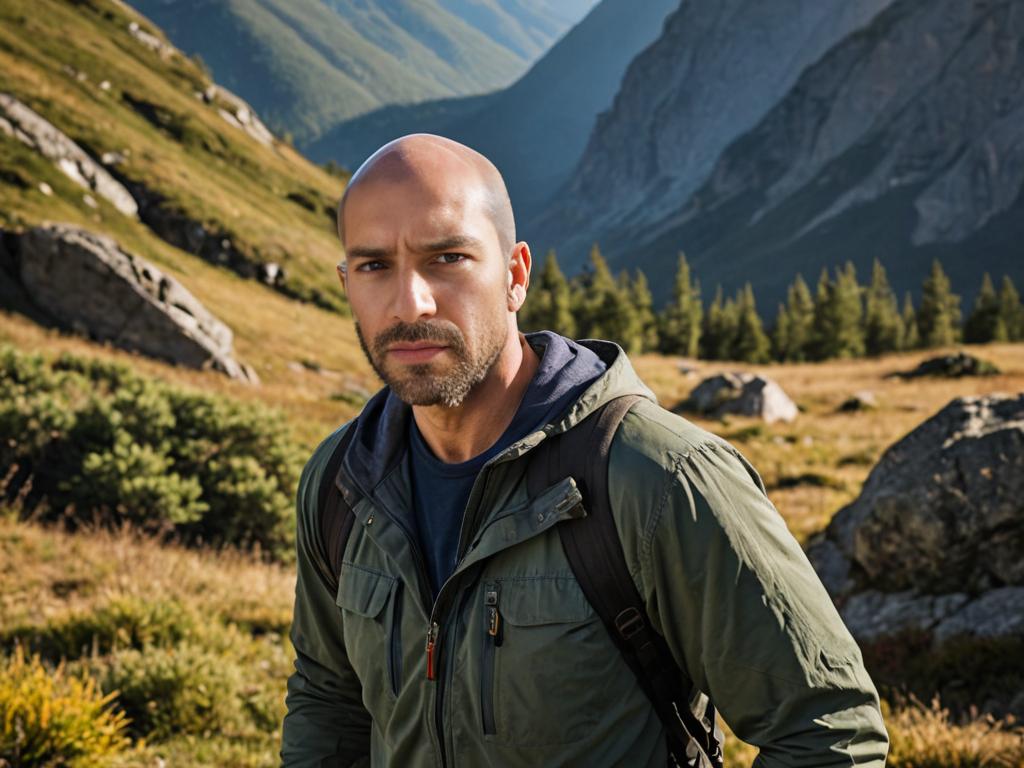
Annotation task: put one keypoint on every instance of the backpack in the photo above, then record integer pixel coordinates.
(594, 551)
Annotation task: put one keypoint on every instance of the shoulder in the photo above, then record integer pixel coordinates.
(313, 471)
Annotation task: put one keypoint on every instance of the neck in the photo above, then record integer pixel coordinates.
(467, 430)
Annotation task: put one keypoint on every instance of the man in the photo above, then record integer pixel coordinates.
(458, 634)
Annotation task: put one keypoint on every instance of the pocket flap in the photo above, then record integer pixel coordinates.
(363, 591)
(531, 602)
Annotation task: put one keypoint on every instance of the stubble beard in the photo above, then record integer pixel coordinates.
(423, 383)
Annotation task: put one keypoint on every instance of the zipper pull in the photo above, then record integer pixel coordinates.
(494, 624)
(431, 642)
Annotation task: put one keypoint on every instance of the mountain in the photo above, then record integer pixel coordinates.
(306, 65)
(536, 129)
(717, 69)
(904, 141)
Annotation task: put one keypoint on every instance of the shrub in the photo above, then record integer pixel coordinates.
(52, 718)
(124, 622)
(171, 691)
(95, 442)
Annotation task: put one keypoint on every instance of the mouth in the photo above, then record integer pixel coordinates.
(415, 352)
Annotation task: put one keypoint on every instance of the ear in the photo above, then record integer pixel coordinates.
(343, 275)
(518, 275)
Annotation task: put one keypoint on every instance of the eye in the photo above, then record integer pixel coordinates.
(451, 258)
(370, 266)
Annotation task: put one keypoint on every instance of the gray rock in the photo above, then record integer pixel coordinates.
(859, 401)
(997, 613)
(236, 111)
(951, 366)
(831, 565)
(743, 394)
(31, 129)
(872, 615)
(86, 281)
(942, 510)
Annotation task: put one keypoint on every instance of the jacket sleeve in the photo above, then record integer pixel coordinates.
(326, 722)
(742, 609)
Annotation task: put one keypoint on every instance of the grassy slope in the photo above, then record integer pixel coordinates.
(204, 167)
(239, 186)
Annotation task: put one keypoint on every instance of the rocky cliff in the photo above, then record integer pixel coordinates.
(904, 141)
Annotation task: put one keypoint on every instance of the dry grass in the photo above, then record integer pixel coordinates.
(818, 463)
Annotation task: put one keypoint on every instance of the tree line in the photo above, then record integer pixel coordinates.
(840, 318)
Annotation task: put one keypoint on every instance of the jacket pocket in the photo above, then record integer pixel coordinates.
(491, 639)
(371, 610)
(549, 684)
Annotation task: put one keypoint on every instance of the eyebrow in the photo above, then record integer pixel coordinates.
(445, 244)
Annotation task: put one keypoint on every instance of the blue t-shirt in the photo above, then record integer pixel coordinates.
(441, 490)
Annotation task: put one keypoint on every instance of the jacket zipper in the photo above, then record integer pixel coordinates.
(492, 639)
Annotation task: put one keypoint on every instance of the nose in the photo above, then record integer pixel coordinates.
(414, 298)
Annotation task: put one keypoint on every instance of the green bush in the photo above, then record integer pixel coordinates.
(171, 691)
(50, 718)
(124, 622)
(91, 441)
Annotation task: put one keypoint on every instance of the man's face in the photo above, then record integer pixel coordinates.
(428, 285)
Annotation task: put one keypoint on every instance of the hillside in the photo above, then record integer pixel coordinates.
(82, 68)
(535, 129)
(308, 64)
(902, 142)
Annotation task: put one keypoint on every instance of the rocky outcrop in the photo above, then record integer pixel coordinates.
(935, 541)
(742, 394)
(237, 112)
(31, 129)
(951, 367)
(86, 282)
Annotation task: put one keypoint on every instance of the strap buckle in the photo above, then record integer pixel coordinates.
(630, 622)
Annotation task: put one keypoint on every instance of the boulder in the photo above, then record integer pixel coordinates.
(31, 129)
(85, 281)
(859, 401)
(952, 367)
(740, 393)
(942, 510)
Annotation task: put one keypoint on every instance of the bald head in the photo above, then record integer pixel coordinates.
(437, 163)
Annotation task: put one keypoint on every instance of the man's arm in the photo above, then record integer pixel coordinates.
(741, 607)
(326, 723)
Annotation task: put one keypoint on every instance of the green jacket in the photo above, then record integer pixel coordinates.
(724, 582)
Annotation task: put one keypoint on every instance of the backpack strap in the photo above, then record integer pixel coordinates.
(594, 550)
(336, 516)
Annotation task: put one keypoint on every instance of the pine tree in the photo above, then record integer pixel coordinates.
(1010, 310)
(938, 317)
(548, 302)
(629, 330)
(986, 322)
(750, 343)
(837, 316)
(680, 321)
(603, 308)
(716, 336)
(882, 329)
(780, 333)
(796, 322)
(910, 338)
(643, 305)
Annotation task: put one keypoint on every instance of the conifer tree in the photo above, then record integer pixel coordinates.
(680, 321)
(548, 302)
(938, 317)
(1010, 310)
(750, 343)
(910, 338)
(986, 322)
(603, 309)
(780, 333)
(629, 326)
(837, 316)
(882, 321)
(643, 305)
(797, 326)
(716, 337)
